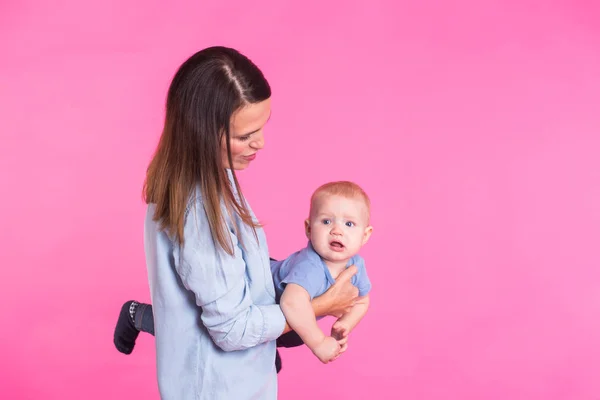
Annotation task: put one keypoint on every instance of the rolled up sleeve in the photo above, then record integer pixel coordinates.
(221, 288)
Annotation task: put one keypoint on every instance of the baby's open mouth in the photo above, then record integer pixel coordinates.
(336, 244)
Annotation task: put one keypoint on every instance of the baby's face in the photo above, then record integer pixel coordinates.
(338, 227)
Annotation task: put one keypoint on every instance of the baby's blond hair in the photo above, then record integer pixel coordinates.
(341, 188)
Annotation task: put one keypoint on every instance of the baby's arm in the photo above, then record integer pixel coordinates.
(346, 324)
(296, 306)
(343, 326)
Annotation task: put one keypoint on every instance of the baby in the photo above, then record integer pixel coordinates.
(337, 228)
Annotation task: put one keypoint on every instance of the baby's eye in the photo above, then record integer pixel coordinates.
(326, 221)
(350, 224)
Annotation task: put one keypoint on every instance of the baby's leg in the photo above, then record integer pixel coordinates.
(277, 361)
(134, 318)
(143, 318)
(290, 339)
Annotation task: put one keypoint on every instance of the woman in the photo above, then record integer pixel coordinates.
(215, 317)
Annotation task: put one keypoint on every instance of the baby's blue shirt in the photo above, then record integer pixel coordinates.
(307, 269)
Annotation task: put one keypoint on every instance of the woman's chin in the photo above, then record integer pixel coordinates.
(241, 165)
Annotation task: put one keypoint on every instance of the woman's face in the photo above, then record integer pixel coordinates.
(246, 134)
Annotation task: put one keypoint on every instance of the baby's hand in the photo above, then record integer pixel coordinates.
(328, 350)
(343, 345)
(339, 330)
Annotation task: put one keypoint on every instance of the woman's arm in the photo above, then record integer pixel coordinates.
(218, 281)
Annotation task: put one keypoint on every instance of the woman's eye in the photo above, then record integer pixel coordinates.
(327, 221)
(244, 138)
(350, 224)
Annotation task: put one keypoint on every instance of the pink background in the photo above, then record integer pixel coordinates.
(473, 125)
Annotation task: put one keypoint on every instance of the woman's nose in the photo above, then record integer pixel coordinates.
(258, 142)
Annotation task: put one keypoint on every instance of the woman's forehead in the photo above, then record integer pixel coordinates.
(251, 117)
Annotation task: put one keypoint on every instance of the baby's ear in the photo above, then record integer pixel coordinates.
(307, 228)
(367, 235)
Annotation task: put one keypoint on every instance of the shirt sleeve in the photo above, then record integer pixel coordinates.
(307, 274)
(361, 279)
(220, 285)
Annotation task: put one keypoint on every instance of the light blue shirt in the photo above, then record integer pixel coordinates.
(215, 315)
(307, 269)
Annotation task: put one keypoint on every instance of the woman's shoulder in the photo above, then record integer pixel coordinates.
(194, 201)
(196, 212)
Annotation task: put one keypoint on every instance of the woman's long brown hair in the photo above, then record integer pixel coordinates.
(205, 92)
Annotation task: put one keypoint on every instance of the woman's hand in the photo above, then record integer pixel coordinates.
(340, 297)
